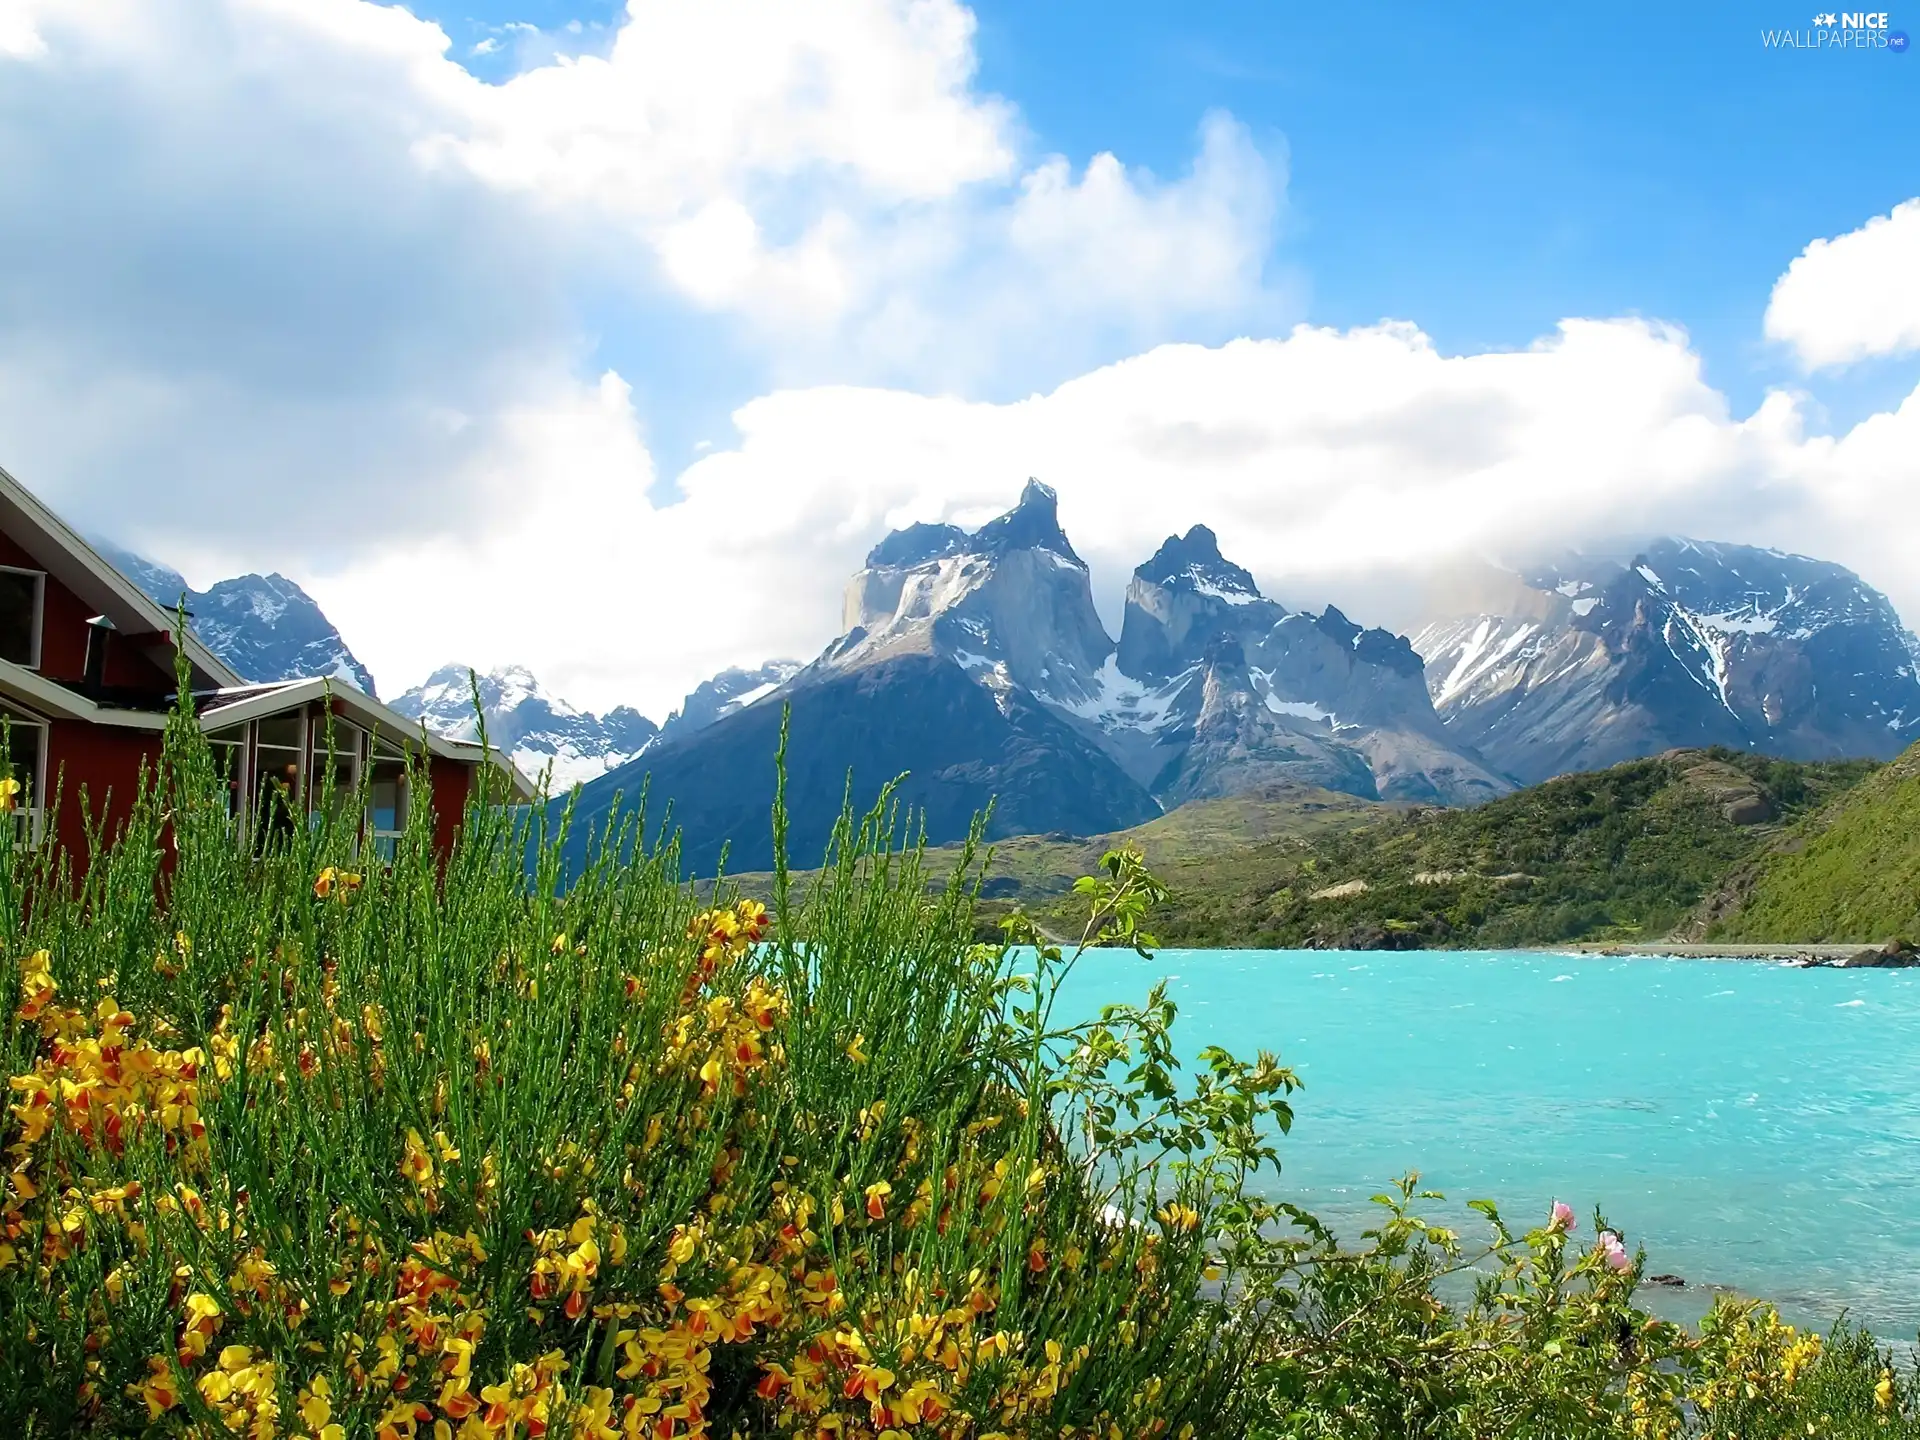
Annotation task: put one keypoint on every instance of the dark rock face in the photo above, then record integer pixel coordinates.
(1011, 603)
(719, 697)
(1245, 693)
(264, 627)
(1237, 743)
(1183, 598)
(918, 544)
(960, 745)
(1687, 644)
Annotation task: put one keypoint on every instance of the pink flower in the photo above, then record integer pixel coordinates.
(1561, 1217)
(1614, 1253)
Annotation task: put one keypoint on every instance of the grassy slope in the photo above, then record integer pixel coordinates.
(1851, 871)
(1204, 844)
(1617, 853)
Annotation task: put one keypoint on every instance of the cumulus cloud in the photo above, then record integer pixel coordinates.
(267, 260)
(284, 286)
(1853, 297)
(1324, 460)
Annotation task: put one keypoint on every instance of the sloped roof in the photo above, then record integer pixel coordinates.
(83, 570)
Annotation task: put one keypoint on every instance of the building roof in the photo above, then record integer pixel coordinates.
(235, 705)
(50, 698)
(83, 570)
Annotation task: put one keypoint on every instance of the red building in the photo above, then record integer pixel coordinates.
(87, 680)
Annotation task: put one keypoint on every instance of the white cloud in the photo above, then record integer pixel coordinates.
(283, 286)
(1855, 296)
(18, 36)
(1322, 459)
(286, 256)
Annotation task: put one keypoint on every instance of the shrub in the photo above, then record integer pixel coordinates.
(303, 1144)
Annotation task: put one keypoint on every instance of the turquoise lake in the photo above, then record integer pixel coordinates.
(1757, 1127)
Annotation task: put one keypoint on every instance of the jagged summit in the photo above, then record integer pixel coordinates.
(1010, 601)
(1181, 599)
(264, 626)
(1682, 642)
(917, 544)
(541, 732)
(1032, 524)
(1375, 646)
(1194, 560)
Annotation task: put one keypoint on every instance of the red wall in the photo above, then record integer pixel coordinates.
(451, 782)
(104, 759)
(63, 635)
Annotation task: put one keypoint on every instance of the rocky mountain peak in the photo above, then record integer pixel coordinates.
(732, 689)
(1032, 524)
(539, 731)
(1194, 561)
(1683, 642)
(265, 627)
(1183, 597)
(916, 545)
(1011, 601)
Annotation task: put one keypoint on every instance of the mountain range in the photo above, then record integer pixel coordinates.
(973, 665)
(264, 626)
(1681, 643)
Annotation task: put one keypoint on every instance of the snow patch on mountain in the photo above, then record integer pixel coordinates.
(265, 627)
(540, 732)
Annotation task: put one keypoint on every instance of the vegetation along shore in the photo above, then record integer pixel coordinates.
(305, 1144)
(1691, 853)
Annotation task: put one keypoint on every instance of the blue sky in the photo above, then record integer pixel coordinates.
(671, 338)
(1483, 175)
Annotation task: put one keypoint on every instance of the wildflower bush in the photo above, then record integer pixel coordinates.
(302, 1144)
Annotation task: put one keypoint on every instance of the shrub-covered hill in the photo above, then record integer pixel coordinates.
(1613, 854)
(1848, 871)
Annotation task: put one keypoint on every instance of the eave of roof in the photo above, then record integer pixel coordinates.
(86, 572)
(50, 698)
(251, 702)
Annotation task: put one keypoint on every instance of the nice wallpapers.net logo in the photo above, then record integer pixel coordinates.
(1843, 30)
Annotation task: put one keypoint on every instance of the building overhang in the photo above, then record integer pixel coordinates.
(83, 570)
(240, 704)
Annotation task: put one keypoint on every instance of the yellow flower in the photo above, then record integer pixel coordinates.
(854, 1051)
(9, 792)
(331, 880)
(1883, 1392)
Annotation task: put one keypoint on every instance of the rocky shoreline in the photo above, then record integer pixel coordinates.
(1892, 955)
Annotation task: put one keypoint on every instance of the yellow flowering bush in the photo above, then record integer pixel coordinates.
(302, 1145)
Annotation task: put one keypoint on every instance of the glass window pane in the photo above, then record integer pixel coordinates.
(24, 741)
(336, 760)
(287, 731)
(19, 607)
(387, 798)
(226, 767)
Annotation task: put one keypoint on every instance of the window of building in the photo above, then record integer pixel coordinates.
(279, 757)
(229, 749)
(22, 593)
(26, 745)
(337, 749)
(387, 796)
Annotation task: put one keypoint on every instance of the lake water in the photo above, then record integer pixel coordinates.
(1757, 1127)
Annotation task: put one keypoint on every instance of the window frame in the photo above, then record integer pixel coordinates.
(35, 645)
(386, 843)
(261, 812)
(30, 820)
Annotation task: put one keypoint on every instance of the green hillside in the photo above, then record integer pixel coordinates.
(1622, 853)
(1619, 854)
(1850, 871)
